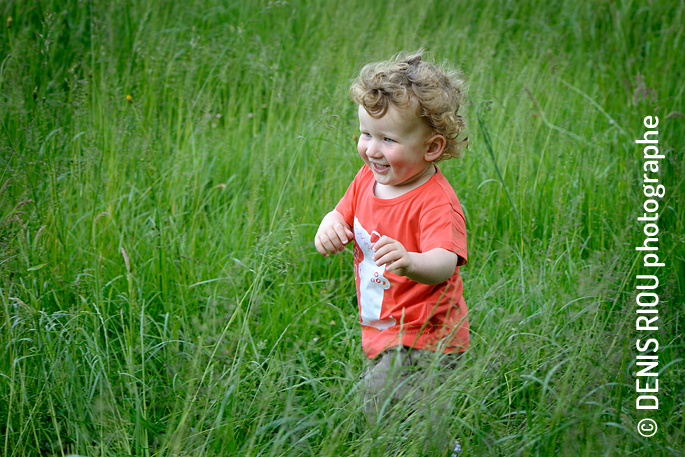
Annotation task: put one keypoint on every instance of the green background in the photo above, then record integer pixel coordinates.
(160, 293)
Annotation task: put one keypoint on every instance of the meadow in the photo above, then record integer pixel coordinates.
(163, 169)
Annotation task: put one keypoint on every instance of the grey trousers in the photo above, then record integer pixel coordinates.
(403, 374)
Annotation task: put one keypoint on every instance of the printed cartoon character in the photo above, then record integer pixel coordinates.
(372, 284)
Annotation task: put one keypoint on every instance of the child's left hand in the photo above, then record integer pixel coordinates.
(391, 253)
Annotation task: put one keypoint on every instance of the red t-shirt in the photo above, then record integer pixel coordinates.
(393, 309)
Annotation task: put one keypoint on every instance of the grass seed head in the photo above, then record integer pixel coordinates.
(40, 231)
(102, 214)
(126, 262)
(22, 203)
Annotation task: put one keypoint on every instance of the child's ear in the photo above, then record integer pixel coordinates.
(436, 144)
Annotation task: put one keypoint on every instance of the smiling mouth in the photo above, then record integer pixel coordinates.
(379, 168)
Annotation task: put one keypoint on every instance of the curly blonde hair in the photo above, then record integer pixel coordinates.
(438, 91)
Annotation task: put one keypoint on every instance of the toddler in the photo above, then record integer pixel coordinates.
(406, 222)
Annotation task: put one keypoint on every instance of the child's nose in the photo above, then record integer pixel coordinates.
(374, 150)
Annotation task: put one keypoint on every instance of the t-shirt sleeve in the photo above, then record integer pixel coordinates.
(444, 227)
(346, 205)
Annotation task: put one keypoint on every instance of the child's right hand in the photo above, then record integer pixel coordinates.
(333, 234)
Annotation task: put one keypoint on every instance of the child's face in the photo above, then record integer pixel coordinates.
(397, 147)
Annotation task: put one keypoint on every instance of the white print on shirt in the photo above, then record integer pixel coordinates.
(372, 283)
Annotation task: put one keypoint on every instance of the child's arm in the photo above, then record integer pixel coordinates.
(333, 234)
(431, 267)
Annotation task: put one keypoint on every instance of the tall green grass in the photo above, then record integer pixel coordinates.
(160, 291)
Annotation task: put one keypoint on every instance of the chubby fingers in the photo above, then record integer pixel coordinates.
(332, 239)
(344, 233)
(319, 243)
(326, 244)
(382, 241)
(388, 251)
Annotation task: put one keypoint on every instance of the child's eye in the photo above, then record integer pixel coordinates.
(389, 140)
